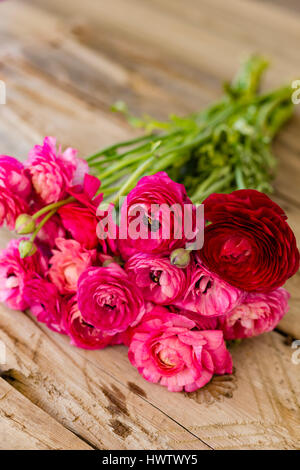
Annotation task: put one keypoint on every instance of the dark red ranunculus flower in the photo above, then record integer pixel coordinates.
(248, 241)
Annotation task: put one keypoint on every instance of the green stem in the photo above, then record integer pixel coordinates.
(125, 143)
(42, 223)
(112, 190)
(214, 188)
(54, 205)
(113, 178)
(214, 176)
(119, 165)
(132, 180)
(239, 178)
(147, 138)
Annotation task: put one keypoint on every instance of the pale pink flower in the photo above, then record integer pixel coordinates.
(53, 171)
(69, 260)
(158, 280)
(165, 348)
(108, 300)
(259, 313)
(16, 273)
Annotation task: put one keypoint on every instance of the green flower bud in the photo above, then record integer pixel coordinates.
(115, 259)
(107, 263)
(25, 224)
(26, 248)
(180, 258)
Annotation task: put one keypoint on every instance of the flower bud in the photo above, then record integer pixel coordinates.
(107, 263)
(26, 248)
(180, 258)
(110, 259)
(25, 224)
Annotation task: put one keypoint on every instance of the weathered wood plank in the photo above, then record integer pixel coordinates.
(257, 407)
(196, 33)
(288, 4)
(25, 426)
(83, 397)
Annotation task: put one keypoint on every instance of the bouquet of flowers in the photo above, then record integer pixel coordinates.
(135, 270)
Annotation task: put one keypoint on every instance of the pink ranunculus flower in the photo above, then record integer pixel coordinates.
(158, 280)
(44, 302)
(15, 190)
(80, 217)
(203, 322)
(166, 349)
(108, 300)
(207, 294)
(158, 203)
(259, 313)
(69, 260)
(11, 206)
(16, 273)
(82, 334)
(53, 171)
(12, 175)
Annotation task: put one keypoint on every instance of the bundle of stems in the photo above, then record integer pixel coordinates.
(219, 149)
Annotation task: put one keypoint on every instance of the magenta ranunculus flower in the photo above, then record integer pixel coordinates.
(166, 349)
(15, 189)
(158, 203)
(158, 280)
(11, 206)
(12, 174)
(108, 300)
(53, 171)
(259, 313)
(203, 322)
(82, 334)
(16, 273)
(69, 260)
(207, 294)
(44, 302)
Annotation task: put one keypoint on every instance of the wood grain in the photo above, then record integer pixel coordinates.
(64, 64)
(25, 426)
(257, 407)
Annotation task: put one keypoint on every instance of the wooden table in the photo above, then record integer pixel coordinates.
(64, 63)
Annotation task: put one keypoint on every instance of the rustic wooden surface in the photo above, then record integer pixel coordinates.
(64, 64)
